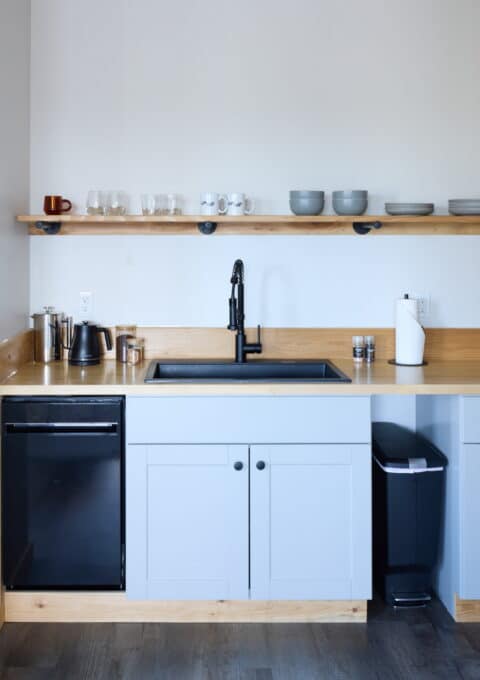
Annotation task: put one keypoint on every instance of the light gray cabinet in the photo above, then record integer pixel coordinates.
(189, 516)
(469, 519)
(310, 522)
(187, 522)
(469, 499)
(204, 522)
(453, 424)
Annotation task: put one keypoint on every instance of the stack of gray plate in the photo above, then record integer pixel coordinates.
(409, 208)
(464, 206)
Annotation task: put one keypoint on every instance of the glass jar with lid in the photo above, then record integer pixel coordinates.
(135, 351)
(123, 335)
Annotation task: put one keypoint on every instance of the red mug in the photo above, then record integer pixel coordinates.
(55, 205)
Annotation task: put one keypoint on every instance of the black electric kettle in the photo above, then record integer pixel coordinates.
(85, 347)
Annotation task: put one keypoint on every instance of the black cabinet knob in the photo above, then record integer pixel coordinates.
(260, 465)
(238, 465)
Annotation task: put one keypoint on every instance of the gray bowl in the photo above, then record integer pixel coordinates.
(358, 193)
(464, 206)
(350, 202)
(307, 202)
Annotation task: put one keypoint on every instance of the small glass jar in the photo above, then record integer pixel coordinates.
(135, 352)
(358, 346)
(123, 335)
(369, 349)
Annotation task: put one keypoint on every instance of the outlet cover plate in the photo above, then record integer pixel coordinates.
(86, 305)
(423, 301)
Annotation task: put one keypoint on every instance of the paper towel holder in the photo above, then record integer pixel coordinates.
(395, 363)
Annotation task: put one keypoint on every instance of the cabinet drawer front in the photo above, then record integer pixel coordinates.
(248, 419)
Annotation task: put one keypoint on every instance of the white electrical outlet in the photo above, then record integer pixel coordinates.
(423, 303)
(86, 305)
(423, 307)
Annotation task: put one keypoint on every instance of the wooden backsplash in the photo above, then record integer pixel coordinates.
(447, 344)
(14, 352)
(301, 343)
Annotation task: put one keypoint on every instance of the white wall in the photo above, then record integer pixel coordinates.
(260, 97)
(14, 163)
(309, 281)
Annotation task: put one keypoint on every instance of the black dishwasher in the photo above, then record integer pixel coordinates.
(63, 498)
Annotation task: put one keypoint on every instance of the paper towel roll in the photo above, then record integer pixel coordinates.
(409, 334)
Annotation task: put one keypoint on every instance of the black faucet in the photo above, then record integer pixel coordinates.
(237, 317)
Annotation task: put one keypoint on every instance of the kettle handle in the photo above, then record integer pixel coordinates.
(108, 337)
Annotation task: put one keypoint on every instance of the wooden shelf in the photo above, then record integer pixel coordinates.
(252, 224)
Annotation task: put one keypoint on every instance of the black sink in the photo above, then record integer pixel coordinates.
(254, 371)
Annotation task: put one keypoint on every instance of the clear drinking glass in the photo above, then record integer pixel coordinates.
(95, 202)
(116, 203)
(148, 204)
(174, 204)
(160, 203)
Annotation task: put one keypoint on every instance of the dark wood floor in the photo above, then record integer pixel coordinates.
(415, 644)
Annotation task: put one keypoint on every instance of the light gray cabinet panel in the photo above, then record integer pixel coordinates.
(187, 522)
(469, 499)
(310, 522)
(247, 420)
(471, 420)
(469, 522)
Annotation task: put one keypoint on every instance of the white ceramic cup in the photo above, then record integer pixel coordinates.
(239, 204)
(212, 203)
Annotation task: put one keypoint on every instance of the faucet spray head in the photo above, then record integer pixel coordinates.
(237, 273)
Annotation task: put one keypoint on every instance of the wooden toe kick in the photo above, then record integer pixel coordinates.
(467, 611)
(79, 607)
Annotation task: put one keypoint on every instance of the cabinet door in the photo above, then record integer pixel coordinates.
(469, 518)
(310, 522)
(187, 522)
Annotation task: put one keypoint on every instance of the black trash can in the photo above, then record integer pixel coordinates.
(408, 507)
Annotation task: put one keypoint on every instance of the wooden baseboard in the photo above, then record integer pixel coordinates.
(115, 607)
(14, 352)
(467, 611)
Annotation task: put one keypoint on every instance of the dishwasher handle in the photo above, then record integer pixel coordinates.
(60, 428)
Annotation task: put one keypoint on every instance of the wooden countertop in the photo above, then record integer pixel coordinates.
(110, 377)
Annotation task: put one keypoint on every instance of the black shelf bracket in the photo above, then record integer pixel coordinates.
(207, 228)
(363, 228)
(50, 228)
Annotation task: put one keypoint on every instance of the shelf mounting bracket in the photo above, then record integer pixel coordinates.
(50, 228)
(207, 228)
(363, 228)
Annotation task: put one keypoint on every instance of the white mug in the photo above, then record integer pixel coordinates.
(212, 203)
(239, 204)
